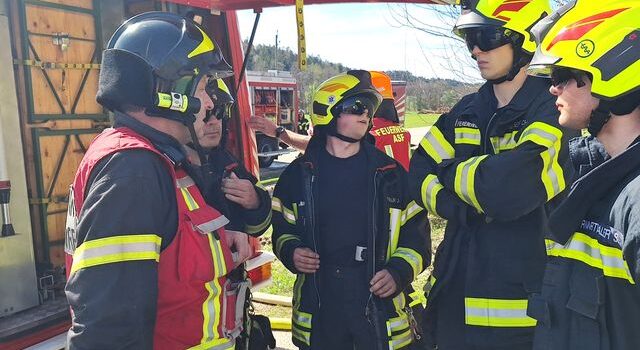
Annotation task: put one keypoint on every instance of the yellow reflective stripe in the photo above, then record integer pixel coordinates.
(411, 257)
(588, 250)
(465, 181)
(430, 188)
(412, 210)
(497, 312)
(436, 145)
(205, 45)
(418, 297)
(189, 200)
(398, 323)
(428, 287)
(395, 220)
(550, 137)
(401, 340)
(469, 136)
(212, 302)
(301, 335)
(252, 229)
(301, 318)
(282, 240)
(388, 150)
(287, 214)
(505, 142)
(116, 249)
(399, 302)
(216, 344)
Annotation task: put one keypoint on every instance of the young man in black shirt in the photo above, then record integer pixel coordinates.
(344, 222)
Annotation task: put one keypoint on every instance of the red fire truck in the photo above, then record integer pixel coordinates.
(49, 61)
(273, 95)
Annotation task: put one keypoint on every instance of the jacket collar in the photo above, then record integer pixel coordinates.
(165, 143)
(485, 104)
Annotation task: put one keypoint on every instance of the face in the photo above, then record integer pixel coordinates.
(353, 125)
(494, 64)
(574, 103)
(209, 133)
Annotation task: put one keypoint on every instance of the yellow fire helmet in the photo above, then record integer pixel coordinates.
(601, 38)
(516, 15)
(334, 91)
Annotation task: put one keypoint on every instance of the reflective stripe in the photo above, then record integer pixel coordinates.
(395, 220)
(211, 320)
(428, 287)
(301, 335)
(411, 257)
(412, 210)
(497, 313)
(185, 182)
(399, 302)
(401, 340)
(547, 136)
(588, 250)
(116, 249)
(281, 241)
(302, 318)
(388, 150)
(469, 136)
(465, 181)
(505, 142)
(430, 188)
(418, 297)
(253, 229)
(287, 213)
(436, 146)
(217, 344)
(398, 323)
(189, 200)
(213, 225)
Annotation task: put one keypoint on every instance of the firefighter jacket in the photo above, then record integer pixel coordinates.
(134, 284)
(590, 297)
(252, 222)
(489, 172)
(398, 228)
(392, 139)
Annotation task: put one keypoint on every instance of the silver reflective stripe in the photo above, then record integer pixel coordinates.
(553, 176)
(302, 319)
(185, 182)
(139, 247)
(497, 312)
(399, 324)
(430, 141)
(464, 179)
(401, 340)
(464, 135)
(213, 225)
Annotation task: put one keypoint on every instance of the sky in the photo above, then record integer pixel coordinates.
(361, 36)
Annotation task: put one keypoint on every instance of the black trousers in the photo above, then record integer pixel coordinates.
(341, 322)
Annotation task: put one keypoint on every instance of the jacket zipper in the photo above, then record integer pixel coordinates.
(486, 134)
(312, 211)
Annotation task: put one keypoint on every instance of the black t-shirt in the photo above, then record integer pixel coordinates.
(342, 206)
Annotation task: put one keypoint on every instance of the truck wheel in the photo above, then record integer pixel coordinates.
(267, 144)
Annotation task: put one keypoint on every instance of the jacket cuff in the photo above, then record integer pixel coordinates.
(401, 272)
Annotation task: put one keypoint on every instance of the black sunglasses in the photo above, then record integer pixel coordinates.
(219, 111)
(486, 38)
(357, 105)
(560, 77)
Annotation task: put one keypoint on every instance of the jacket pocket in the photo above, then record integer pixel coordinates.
(586, 302)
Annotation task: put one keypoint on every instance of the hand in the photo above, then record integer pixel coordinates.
(382, 284)
(239, 243)
(263, 125)
(240, 191)
(306, 260)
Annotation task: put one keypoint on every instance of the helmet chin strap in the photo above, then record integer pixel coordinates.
(333, 131)
(599, 117)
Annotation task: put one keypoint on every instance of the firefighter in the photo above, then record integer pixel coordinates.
(343, 222)
(390, 137)
(230, 188)
(590, 297)
(387, 133)
(490, 167)
(146, 255)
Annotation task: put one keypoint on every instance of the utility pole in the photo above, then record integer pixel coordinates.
(276, 53)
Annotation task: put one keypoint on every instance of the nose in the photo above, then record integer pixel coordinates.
(207, 102)
(556, 90)
(476, 50)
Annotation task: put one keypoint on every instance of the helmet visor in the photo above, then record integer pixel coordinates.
(486, 38)
(357, 105)
(561, 76)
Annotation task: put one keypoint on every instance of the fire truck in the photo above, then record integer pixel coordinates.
(273, 95)
(50, 53)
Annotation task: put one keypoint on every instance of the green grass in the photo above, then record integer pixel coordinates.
(417, 120)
